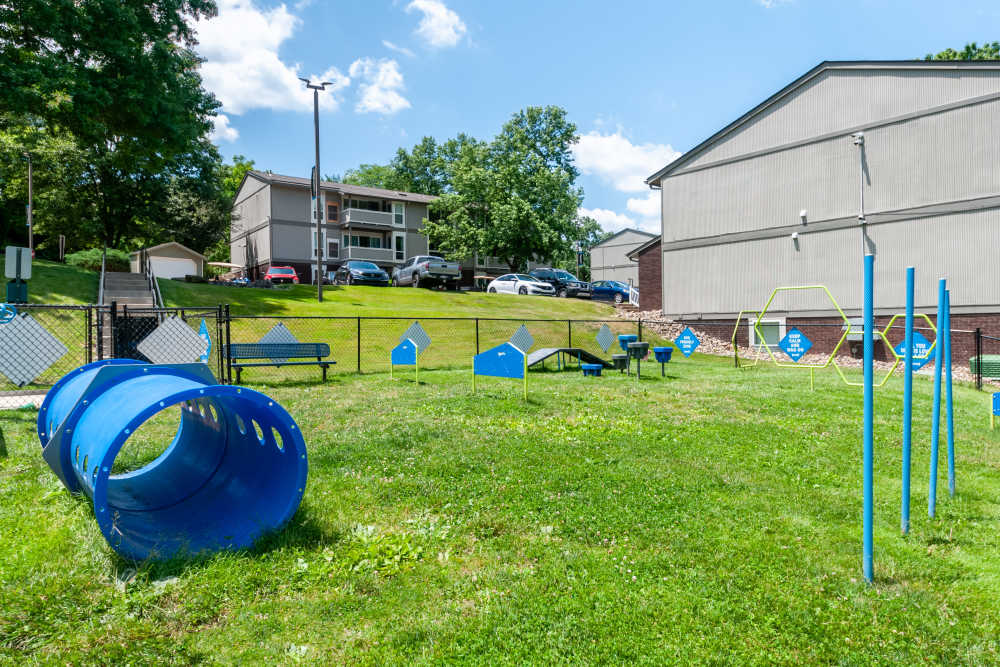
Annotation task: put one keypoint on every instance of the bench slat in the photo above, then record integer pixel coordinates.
(276, 350)
(243, 364)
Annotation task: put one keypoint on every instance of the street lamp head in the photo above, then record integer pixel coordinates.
(310, 85)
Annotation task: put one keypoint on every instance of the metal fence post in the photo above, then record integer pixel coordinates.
(90, 335)
(113, 322)
(100, 333)
(218, 342)
(640, 329)
(979, 358)
(569, 333)
(477, 335)
(229, 359)
(359, 345)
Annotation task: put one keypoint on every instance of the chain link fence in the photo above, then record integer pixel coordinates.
(46, 341)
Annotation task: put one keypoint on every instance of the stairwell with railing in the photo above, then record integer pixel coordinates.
(126, 290)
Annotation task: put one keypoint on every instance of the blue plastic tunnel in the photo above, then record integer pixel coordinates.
(235, 470)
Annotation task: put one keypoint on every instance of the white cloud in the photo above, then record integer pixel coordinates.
(770, 4)
(616, 160)
(222, 131)
(380, 90)
(242, 66)
(440, 27)
(648, 207)
(607, 219)
(398, 49)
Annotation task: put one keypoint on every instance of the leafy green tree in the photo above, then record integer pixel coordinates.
(372, 176)
(971, 52)
(118, 80)
(231, 175)
(514, 198)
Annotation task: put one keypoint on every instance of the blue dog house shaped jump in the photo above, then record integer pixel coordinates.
(235, 470)
(502, 361)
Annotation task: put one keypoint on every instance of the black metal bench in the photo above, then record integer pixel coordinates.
(278, 355)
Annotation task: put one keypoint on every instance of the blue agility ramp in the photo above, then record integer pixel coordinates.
(502, 361)
(235, 470)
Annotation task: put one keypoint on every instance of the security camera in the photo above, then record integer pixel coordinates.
(795, 236)
(859, 138)
(802, 216)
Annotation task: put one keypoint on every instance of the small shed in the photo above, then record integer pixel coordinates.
(172, 260)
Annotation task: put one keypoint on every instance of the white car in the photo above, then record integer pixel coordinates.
(519, 283)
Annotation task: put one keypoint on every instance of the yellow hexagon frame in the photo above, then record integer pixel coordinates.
(930, 350)
(736, 348)
(836, 348)
(888, 374)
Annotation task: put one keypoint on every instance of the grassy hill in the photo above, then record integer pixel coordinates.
(712, 516)
(378, 302)
(55, 283)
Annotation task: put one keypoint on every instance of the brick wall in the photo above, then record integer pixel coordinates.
(650, 281)
(825, 332)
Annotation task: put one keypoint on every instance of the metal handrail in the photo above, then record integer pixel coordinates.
(100, 286)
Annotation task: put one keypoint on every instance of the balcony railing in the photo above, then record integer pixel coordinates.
(369, 254)
(358, 216)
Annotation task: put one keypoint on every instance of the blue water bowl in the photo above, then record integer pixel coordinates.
(625, 339)
(592, 369)
(663, 354)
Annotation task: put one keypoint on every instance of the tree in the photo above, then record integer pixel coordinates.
(514, 198)
(372, 176)
(971, 52)
(231, 175)
(118, 80)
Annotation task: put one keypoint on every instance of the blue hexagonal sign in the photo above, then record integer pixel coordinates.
(921, 351)
(687, 342)
(795, 344)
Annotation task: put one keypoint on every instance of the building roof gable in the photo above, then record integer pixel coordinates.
(344, 188)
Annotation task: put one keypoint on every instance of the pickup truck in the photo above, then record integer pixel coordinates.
(427, 271)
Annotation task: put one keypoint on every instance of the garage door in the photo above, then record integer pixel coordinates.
(173, 267)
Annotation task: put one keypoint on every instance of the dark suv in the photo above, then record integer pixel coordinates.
(564, 282)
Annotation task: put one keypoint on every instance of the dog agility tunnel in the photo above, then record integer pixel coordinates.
(235, 470)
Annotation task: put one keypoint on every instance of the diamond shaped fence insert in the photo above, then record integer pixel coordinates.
(279, 333)
(173, 342)
(27, 349)
(522, 339)
(605, 338)
(417, 334)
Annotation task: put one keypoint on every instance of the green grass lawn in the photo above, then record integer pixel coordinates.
(711, 516)
(353, 301)
(55, 283)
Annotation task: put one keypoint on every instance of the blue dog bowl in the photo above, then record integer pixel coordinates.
(592, 369)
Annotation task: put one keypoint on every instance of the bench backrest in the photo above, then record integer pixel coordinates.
(276, 350)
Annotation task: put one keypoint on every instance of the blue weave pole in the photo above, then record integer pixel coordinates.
(904, 520)
(235, 470)
(950, 419)
(936, 418)
(868, 539)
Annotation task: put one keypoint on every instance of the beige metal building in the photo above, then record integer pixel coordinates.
(609, 259)
(773, 199)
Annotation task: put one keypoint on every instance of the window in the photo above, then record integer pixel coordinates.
(363, 205)
(333, 250)
(772, 330)
(316, 246)
(397, 213)
(399, 240)
(332, 212)
(356, 241)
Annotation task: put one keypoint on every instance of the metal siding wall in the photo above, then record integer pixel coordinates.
(825, 105)
(290, 204)
(945, 157)
(292, 241)
(727, 278)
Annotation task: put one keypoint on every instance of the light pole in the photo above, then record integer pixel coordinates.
(31, 227)
(316, 87)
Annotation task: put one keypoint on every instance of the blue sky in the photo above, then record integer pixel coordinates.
(642, 80)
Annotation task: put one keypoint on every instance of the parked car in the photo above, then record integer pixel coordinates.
(612, 290)
(564, 282)
(520, 283)
(356, 272)
(427, 271)
(282, 274)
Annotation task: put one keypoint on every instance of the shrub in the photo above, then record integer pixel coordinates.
(118, 260)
